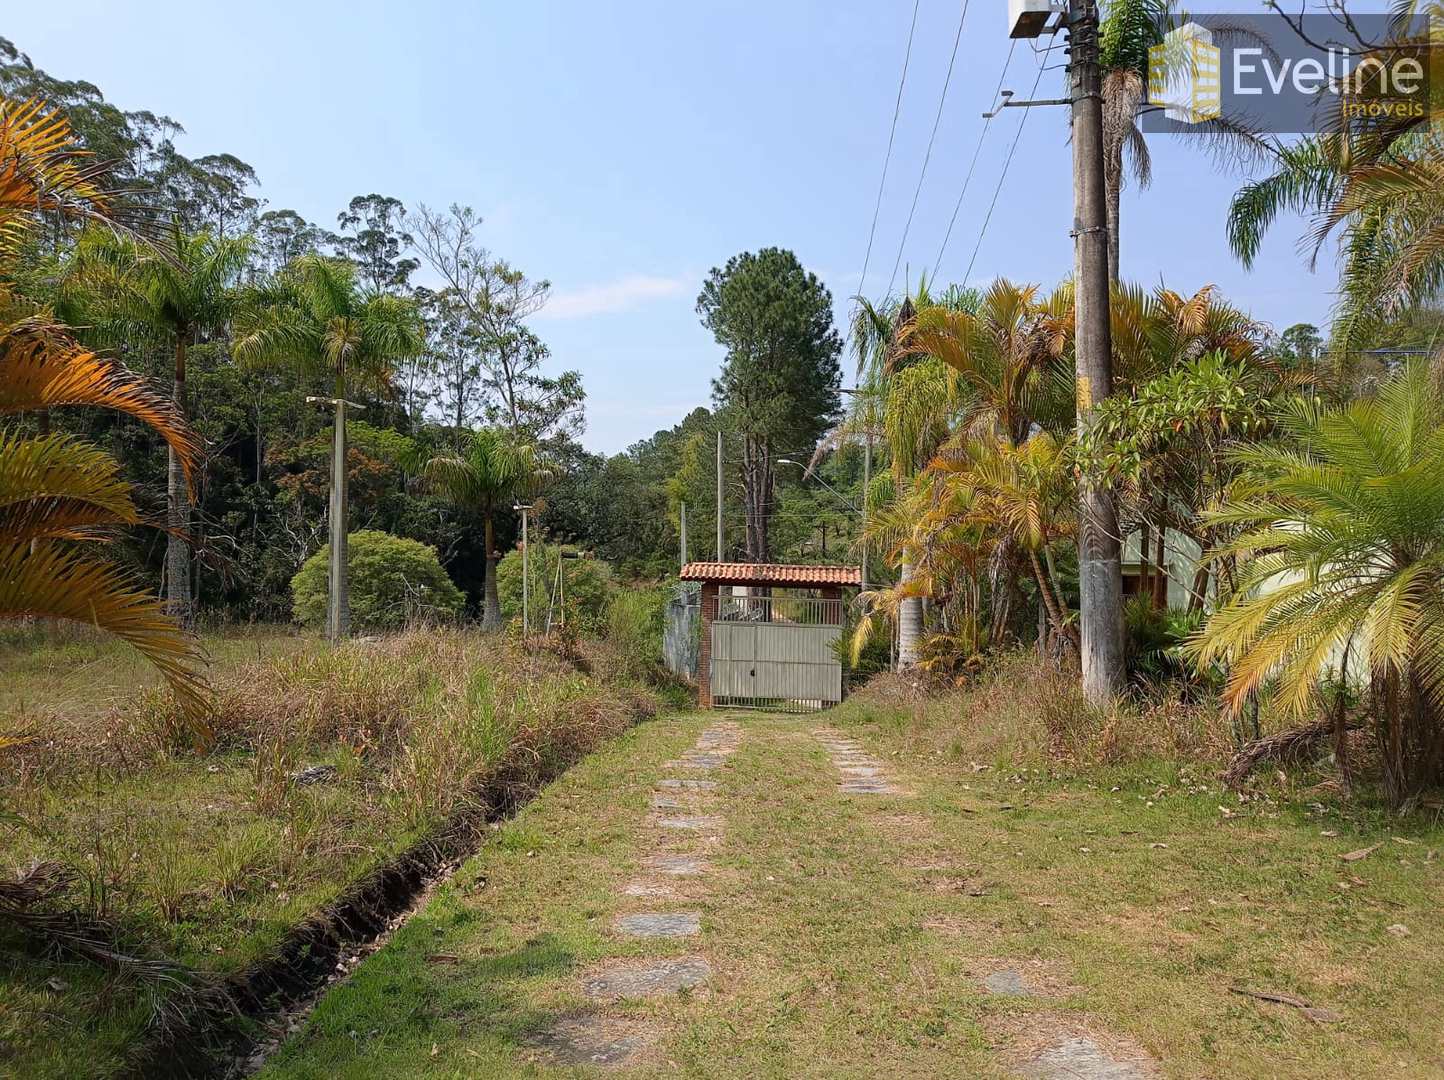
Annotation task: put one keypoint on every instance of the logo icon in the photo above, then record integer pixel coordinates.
(1183, 75)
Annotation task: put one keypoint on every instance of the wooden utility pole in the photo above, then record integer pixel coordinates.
(1100, 576)
(684, 534)
(720, 556)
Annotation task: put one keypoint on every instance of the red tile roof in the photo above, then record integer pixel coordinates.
(771, 574)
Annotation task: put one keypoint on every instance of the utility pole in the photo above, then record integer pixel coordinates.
(684, 534)
(719, 497)
(1099, 549)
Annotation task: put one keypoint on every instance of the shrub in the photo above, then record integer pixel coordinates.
(393, 581)
(634, 629)
(1153, 640)
(587, 586)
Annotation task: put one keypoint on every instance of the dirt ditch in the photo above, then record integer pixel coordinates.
(226, 1029)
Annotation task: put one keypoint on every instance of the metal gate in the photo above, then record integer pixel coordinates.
(776, 652)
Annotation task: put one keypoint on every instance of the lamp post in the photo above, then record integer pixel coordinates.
(338, 610)
(525, 508)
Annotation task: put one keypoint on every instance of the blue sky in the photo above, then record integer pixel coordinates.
(620, 150)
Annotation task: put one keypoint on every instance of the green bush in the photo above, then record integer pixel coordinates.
(1153, 637)
(587, 587)
(393, 580)
(634, 628)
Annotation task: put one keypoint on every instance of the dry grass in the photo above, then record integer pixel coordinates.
(1021, 714)
(209, 858)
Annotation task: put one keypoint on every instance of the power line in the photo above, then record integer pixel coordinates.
(1002, 176)
(977, 150)
(891, 135)
(937, 119)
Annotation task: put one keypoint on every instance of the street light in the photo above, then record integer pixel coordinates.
(525, 598)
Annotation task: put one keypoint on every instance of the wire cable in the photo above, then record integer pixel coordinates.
(1002, 177)
(891, 135)
(937, 119)
(972, 165)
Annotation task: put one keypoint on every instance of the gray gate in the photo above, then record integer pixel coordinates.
(776, 652)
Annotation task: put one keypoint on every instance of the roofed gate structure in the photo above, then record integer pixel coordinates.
(769, 634)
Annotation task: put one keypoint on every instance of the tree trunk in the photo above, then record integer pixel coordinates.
(490, 598)
(339, 618)
(1145, 562)
(910, 624)
(1114, 183)
(1198, 593)
(177, 549)
(1160, 570)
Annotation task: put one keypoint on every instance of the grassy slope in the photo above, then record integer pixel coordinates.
(847, 939)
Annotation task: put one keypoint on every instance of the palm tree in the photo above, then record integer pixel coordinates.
(1009, 353)
(59, 496)
(483, 476)
(1023, 495)
(314, 317)
(180, 294)
(1341, 527)
(1128, 29)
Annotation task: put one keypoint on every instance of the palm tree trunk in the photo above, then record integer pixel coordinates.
(910, 625)
(1113, 188)
(339, 615)
(490, 598)
(177, 549)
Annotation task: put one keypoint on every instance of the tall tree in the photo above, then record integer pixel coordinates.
(315, 317)
(178, 295)
(780, 379)
(373, 236)
(482, 477)
(1129, 28)
(498, 299)
(283, 236)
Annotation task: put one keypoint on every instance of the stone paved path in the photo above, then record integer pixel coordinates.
(680, 805)
(727, 897)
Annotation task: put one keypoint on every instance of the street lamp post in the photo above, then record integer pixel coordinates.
(525, 508)
(338, 614)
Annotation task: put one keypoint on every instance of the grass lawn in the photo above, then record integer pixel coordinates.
(857, 935)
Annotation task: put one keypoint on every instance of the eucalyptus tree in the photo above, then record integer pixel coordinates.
(483, 476)
(497, 299)
(315, 317)
(178, 294)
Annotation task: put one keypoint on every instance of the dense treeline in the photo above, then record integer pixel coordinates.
(173, 304)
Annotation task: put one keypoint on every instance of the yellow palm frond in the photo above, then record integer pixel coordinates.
(58, 487)
(53, 580)
(40, 368)
(43, 171)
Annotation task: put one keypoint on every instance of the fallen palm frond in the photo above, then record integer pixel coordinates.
(26, 903)
(1292, 747)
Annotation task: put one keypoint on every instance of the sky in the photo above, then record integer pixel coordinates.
(621, 150)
